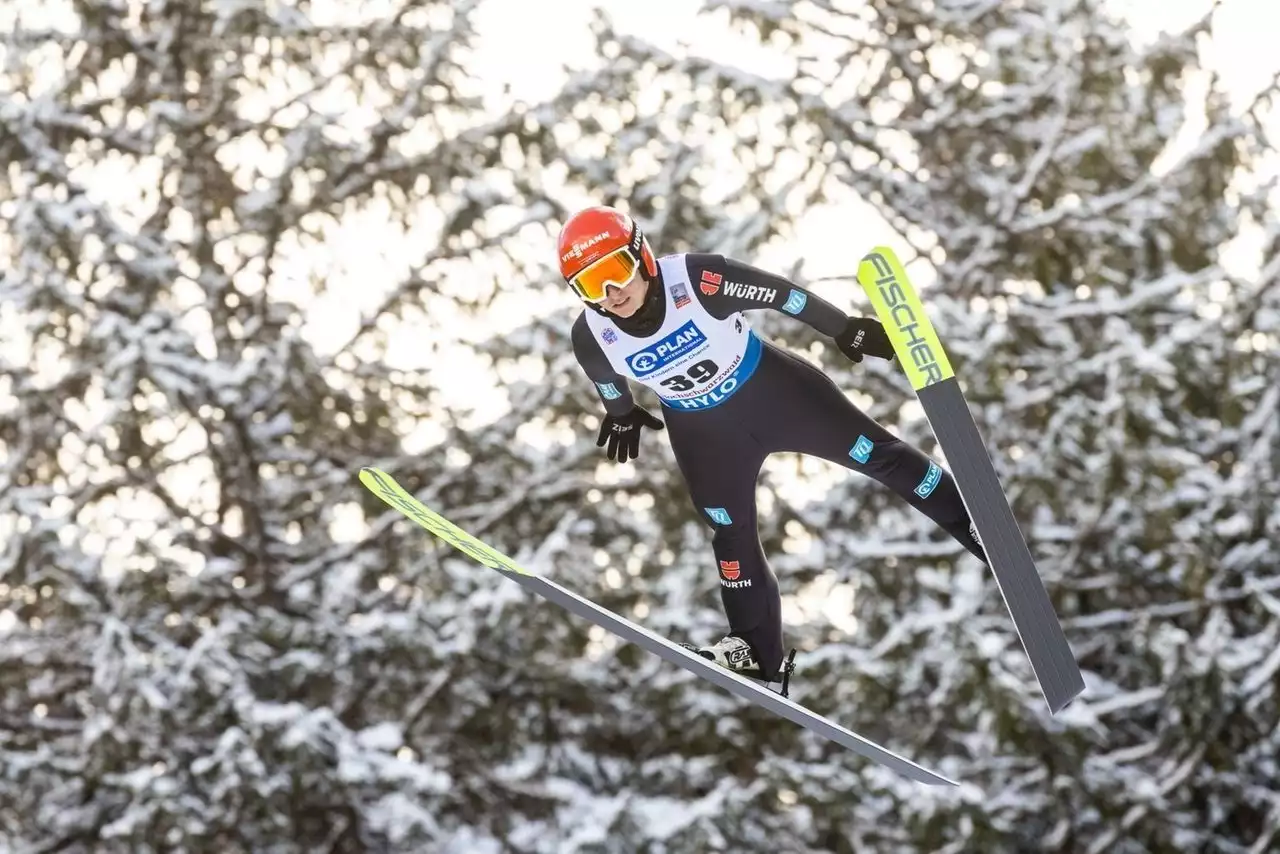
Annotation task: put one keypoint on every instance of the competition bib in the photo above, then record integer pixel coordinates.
(694, 361)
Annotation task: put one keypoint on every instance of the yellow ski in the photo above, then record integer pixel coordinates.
(918, 348)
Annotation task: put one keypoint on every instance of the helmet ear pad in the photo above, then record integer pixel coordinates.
(650, 263)
(640, 246)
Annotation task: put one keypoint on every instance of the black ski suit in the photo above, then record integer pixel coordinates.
(786, 405)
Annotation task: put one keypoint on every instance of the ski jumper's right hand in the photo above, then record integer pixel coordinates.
(622, 432)
(864, 336)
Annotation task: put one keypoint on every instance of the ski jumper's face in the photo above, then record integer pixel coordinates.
(626, 301)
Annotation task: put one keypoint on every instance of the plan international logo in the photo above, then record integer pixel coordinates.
(683, 341)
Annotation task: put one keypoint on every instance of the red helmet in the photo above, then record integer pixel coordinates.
(599, 247)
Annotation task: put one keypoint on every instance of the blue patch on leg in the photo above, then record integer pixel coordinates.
(718, 515)
(930, 482)
(861, 450)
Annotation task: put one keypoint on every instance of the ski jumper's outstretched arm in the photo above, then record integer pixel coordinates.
(725, 286)
(621, 426)
(611, 386)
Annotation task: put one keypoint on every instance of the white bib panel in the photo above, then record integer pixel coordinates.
(694, 361)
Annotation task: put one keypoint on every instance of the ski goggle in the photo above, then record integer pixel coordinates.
(614, 269)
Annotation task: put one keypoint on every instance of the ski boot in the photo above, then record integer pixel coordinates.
(734, 654)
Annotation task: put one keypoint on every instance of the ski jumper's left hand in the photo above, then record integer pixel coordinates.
(725, 285)
(864, 336)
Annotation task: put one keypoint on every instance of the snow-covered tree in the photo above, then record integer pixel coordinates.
(215, 639)
(204, 646)
(1074, 224)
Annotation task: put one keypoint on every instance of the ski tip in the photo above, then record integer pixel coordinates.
(884, 251)
(370, 475)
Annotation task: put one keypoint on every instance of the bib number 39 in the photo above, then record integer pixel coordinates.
(700, 372)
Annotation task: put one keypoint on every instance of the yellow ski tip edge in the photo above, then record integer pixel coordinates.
(915, 342)
(385, 487)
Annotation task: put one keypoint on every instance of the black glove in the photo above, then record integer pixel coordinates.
(623, 433)
(864, 336)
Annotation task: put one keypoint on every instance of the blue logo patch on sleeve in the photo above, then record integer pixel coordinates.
(719, 515)
(861, 450)
(609, 391)
(931, 479)
(795, 302)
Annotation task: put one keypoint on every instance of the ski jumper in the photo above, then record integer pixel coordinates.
(730, 399)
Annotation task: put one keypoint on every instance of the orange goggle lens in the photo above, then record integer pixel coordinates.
(615, 269)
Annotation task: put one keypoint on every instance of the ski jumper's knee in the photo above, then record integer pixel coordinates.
(720, 518)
